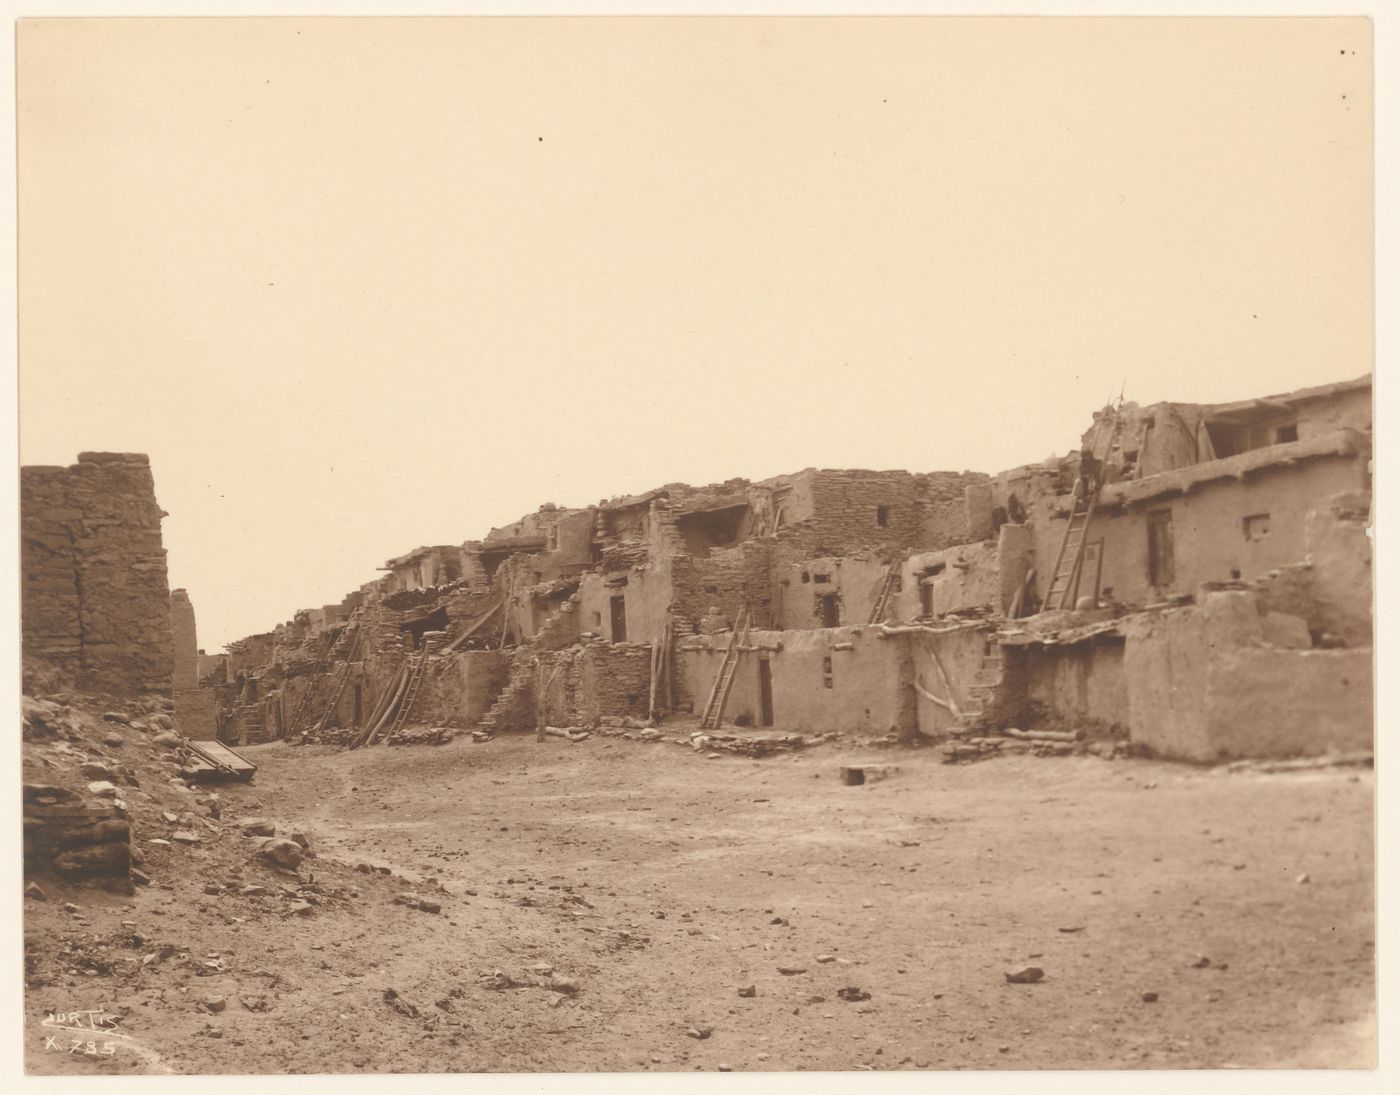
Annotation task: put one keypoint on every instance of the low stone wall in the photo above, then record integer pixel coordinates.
(75, 840)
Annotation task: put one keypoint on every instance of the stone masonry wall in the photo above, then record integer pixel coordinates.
(95, 600)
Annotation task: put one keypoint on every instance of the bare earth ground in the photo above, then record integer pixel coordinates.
(658, 883)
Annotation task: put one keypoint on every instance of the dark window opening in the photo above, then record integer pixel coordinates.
(434, 621)
(925, 599)
(705, 531)
(1256, 527)
(1231, 439)
(806, 577)
(829, 609)
(882, 516)
(822, 579)
(712, 589)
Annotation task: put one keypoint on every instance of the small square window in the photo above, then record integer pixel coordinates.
(1256, 527)
(1287, 433)
(821, 579)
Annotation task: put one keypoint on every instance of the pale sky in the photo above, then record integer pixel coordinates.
(357, 286)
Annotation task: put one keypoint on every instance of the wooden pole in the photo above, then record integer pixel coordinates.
(947, 684)
(669, 663)
(655, 672)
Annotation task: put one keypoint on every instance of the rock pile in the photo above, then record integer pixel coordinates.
(77, 839)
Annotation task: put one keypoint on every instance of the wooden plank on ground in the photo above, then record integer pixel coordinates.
(222, 757)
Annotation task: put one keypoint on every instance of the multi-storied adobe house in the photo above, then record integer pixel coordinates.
(1195, 578)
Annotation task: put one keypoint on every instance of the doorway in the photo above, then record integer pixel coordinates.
(359, 704)
(618, 606)
(829, 609)
(1161, 554)
(765, 692)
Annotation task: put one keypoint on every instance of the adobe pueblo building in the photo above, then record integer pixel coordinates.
(1192, 582)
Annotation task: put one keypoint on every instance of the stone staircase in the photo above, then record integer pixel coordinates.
(513, 709)
(559, 628)
(987, 692)
(248, 725)
(509, 709)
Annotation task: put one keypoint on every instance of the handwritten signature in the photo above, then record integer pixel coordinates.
(84, 1023)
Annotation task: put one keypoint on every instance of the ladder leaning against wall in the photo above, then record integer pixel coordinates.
(882, 599)
(1069, 562)
(713, 717)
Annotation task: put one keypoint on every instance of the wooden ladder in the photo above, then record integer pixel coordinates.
(1064, 580)
(294, 725)
(305, 705)
(1064, 585)
(713, 717)
(882, 602)
(342, 680)
(410, 696)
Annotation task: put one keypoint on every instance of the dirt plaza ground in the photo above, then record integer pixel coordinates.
(617, 906)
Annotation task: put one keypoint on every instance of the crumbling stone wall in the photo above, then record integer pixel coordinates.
(75, 839)
(95, 598)
(574, 687)
(614, 679)
(726, 579)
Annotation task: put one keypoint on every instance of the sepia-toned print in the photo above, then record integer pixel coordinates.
(394, 703)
